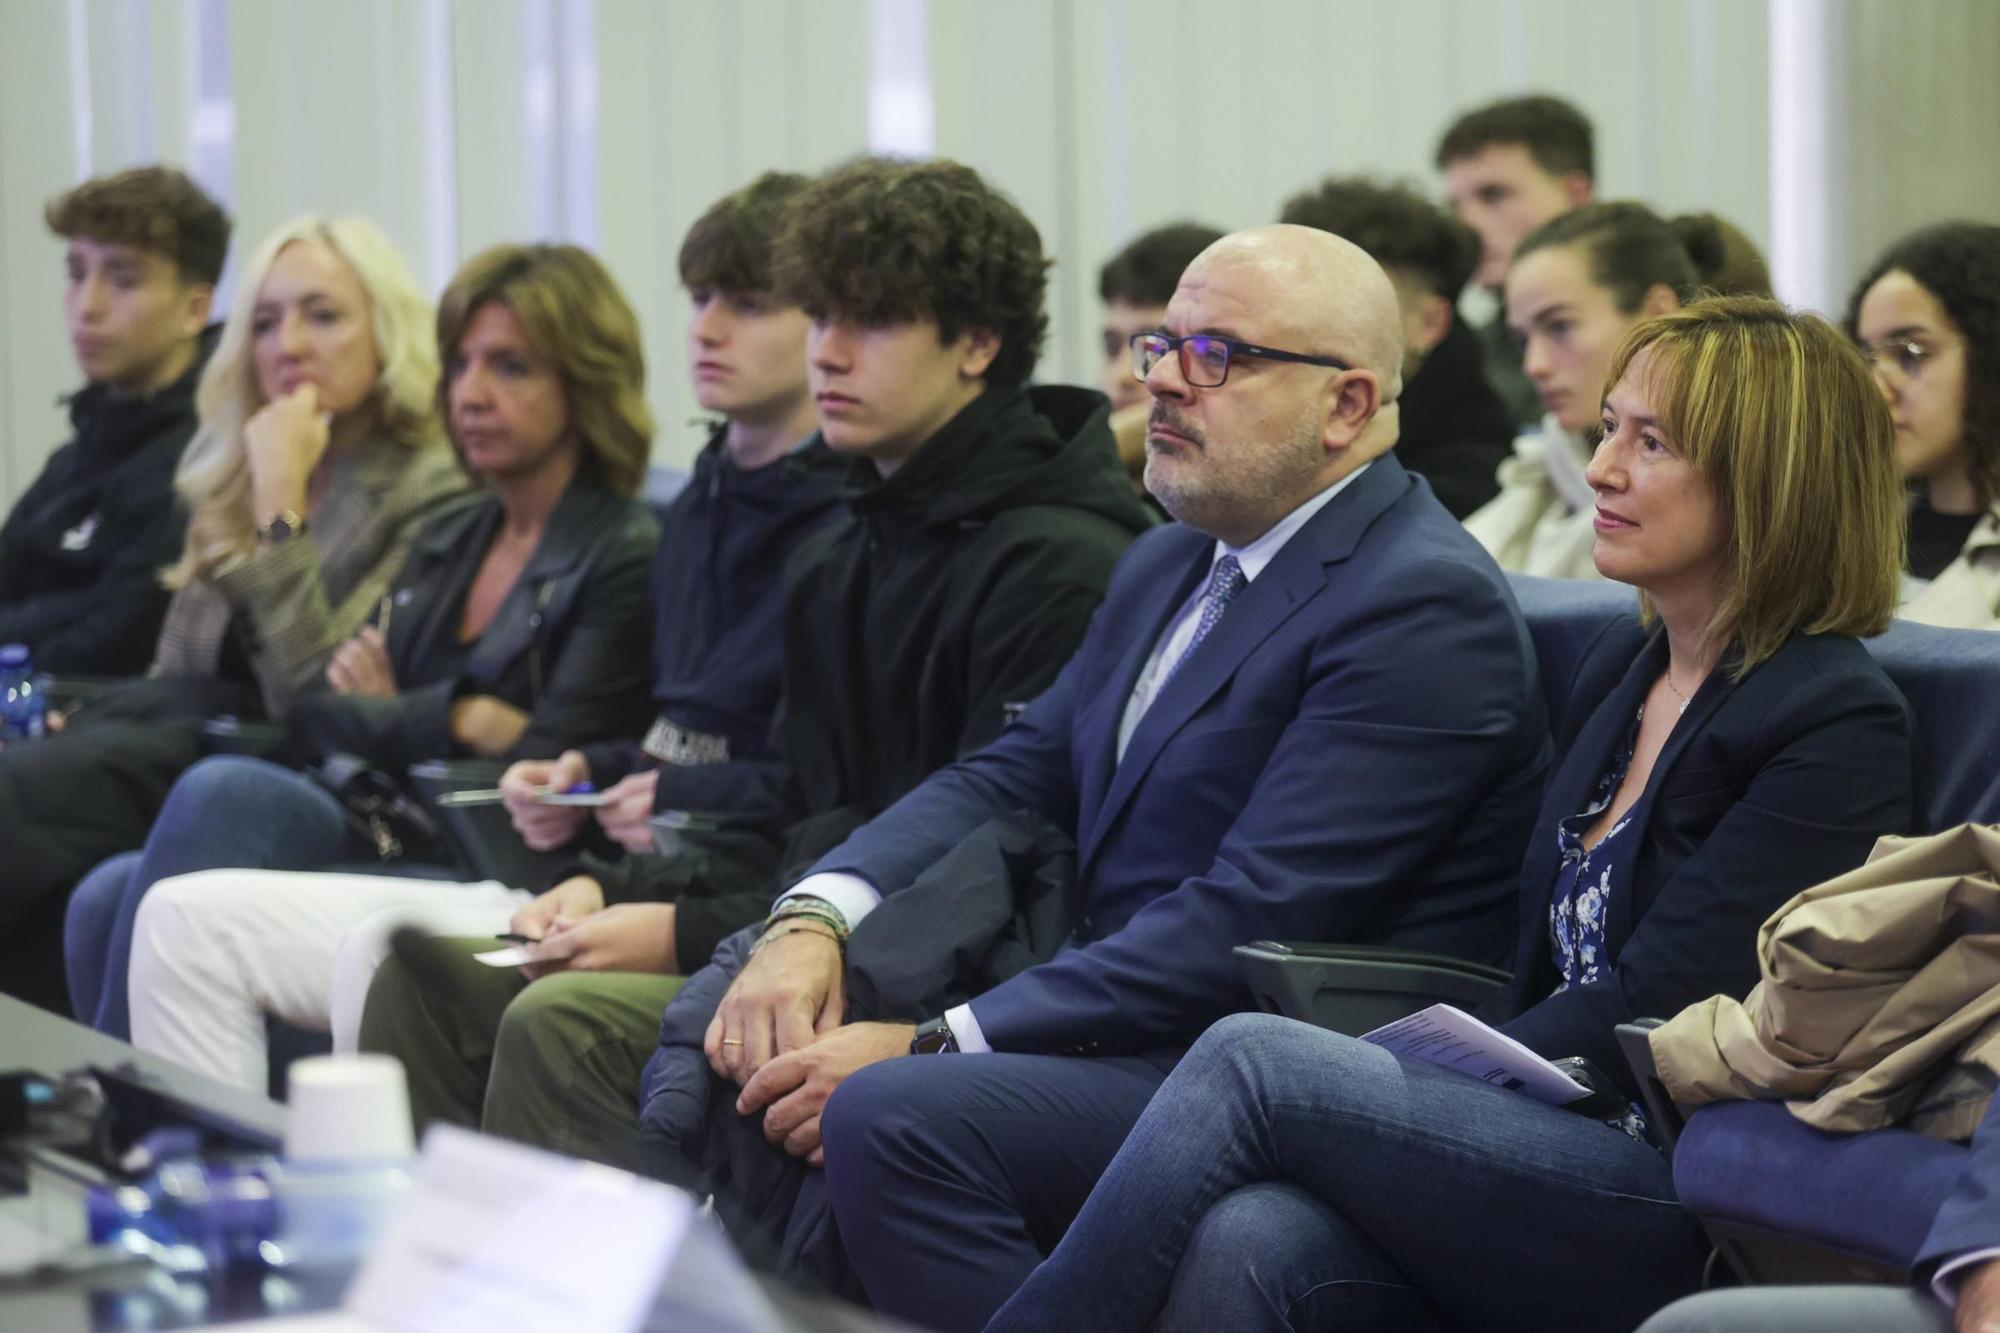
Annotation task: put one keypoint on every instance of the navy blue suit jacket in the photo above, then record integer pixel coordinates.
(1766, 786)
(1352, 754)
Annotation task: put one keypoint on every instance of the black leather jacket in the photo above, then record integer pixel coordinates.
(569, 643)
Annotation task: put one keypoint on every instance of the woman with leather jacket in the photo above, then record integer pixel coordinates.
(517, 628)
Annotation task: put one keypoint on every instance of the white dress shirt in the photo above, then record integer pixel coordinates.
(854, 897)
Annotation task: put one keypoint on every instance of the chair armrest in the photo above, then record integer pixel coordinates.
(1355, 988)
(1636, 1040)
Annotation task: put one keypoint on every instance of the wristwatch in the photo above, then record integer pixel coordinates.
(288, 524)
(934, 1038)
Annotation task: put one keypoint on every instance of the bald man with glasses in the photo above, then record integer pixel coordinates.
(1308, 709)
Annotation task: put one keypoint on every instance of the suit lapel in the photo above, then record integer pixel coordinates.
(1714, 690)
(1571, 789)
(1105, 714)
(1294, 576)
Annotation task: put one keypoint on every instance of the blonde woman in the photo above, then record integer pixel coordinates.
(318, 445)
(317, 456)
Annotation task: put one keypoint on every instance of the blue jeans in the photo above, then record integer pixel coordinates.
(1290, 1178)
(226, 811)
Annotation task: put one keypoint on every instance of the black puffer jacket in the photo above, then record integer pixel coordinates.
(917, 624)
(81, 553)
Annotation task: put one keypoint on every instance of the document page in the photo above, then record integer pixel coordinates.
(1448, 1036)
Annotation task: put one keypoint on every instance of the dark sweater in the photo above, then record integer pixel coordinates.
(81, 553)
(1935, 538)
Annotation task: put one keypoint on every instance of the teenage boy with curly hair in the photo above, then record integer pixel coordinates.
(81, 553)
(982, 532)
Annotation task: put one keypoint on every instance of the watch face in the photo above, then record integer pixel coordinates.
(932, 1039)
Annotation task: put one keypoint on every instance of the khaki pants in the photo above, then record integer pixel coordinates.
(554, 1063)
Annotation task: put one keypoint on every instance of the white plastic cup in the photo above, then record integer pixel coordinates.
(348, 1108)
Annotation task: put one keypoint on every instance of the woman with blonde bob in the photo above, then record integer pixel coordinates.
(520, 629)
(317, 456)
(1736, 745)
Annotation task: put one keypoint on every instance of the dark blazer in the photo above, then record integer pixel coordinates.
(1766, 786)
(1351, 754)
(568, 643)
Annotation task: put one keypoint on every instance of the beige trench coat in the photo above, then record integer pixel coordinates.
(1880, 998)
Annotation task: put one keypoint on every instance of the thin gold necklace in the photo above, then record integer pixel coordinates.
(1669, 673)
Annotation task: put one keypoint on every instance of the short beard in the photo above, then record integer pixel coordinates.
(1265, 483)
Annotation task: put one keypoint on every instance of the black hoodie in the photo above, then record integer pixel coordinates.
(81, 553)
(1455, 428)
(917, 623)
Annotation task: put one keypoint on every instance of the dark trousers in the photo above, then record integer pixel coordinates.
(951, 1176)
(67, 802)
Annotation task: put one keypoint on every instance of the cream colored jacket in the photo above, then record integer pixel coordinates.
(1966, 595)
(1540, 523)
(1880, 998)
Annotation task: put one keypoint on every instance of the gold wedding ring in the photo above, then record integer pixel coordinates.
(731, 1041)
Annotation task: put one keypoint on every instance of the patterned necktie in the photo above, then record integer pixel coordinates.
(1223, 584)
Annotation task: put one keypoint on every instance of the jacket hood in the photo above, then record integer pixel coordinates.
(770, 497)
(1011, 448)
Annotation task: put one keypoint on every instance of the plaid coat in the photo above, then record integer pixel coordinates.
(303, 598)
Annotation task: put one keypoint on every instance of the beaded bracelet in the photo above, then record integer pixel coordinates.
(800, 929)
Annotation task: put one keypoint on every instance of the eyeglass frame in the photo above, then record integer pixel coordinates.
(1915, 352)
(1233, 347)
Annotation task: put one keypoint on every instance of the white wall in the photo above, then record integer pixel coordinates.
(613, 123)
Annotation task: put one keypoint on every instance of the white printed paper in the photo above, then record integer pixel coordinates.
(499, 1236)
(1450, 1037)
(514, 955)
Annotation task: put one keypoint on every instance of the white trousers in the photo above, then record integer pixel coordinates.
(214, 952)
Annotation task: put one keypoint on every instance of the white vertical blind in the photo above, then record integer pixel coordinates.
(1823, 127)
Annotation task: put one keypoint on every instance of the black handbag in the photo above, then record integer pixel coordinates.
(396, 824)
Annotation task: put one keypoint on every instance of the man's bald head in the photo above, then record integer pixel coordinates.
(1233, 457)
(1325, 294)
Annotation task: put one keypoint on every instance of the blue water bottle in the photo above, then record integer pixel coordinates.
(23, 710)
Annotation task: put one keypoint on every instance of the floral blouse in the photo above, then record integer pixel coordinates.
(1581, 902)
(1583, 878)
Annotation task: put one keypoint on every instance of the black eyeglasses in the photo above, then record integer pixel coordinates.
(1205, 356)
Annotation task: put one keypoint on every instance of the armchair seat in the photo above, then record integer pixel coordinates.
(1789, 1203)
